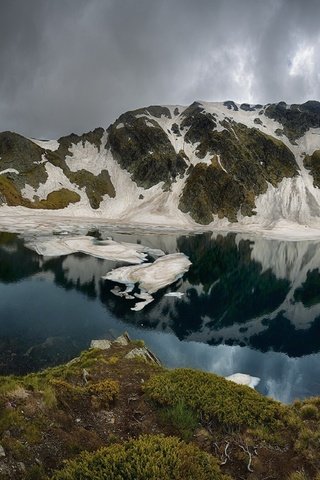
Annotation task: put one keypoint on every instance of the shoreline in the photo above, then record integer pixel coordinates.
(18, 220)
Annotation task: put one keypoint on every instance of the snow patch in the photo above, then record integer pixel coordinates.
(9, 170)
(46, 144)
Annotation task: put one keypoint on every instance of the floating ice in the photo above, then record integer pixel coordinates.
(151, 277)
(174, 294)
(106, 249)
(244, 379)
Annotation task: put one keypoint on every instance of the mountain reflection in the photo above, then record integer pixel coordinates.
(260, 293)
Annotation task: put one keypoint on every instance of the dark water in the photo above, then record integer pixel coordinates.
(248, 306)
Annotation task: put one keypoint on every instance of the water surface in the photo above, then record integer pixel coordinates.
(250, 306)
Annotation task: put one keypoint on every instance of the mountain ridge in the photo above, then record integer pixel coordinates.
(207, 164)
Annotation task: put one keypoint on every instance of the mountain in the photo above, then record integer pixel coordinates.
(208, 164)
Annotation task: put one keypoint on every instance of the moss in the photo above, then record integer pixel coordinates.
(58, 199)
(217, 399)
(96, 186)
(10, 194)
(149, 457)
(55, 200)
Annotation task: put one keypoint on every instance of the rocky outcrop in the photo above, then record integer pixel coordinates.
(143, 148)
(296, 119)
(244, 160)
(163, 164)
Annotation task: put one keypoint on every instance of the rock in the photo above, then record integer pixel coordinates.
(21, 467)
(101, 344)
(122, 340)
(203, 433)
(143, 353)
(2, 452)
(85, 375)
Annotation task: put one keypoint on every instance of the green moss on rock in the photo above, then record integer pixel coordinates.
(96, 186)
(57, 199)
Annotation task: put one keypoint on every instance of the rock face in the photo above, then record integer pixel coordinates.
(201, 164)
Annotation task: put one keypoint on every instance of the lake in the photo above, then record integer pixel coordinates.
(249, 305)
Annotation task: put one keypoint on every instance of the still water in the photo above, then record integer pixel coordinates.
(249, 306)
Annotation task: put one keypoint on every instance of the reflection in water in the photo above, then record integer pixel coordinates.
(249, 306)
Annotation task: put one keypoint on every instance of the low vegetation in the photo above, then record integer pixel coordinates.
(105, 415)
(149, 457)
(217, 400)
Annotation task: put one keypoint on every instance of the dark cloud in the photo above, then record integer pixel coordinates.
(72, 65)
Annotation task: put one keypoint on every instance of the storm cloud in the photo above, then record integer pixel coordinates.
(73, 65)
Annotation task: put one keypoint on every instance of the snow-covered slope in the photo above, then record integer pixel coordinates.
(214, 164)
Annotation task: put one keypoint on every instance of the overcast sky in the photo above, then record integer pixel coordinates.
(72, 65)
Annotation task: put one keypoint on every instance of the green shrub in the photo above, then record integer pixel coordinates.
(216, 399)
(309, 412)
(105, 391)
(182, 419)
(147, 458)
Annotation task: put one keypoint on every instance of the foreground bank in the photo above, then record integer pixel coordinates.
(184, 420)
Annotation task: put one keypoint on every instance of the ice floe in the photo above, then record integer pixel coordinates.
(174, 294)
(150, 277)
(106, 249)
(244, 379)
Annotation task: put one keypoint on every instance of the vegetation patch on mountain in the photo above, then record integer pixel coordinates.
(24, 156)
(250, 159)
(57, 199)
(95, 186)
(296, 119)
(198, 122)
(142, 147)
(312, 163)
(28, 159)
